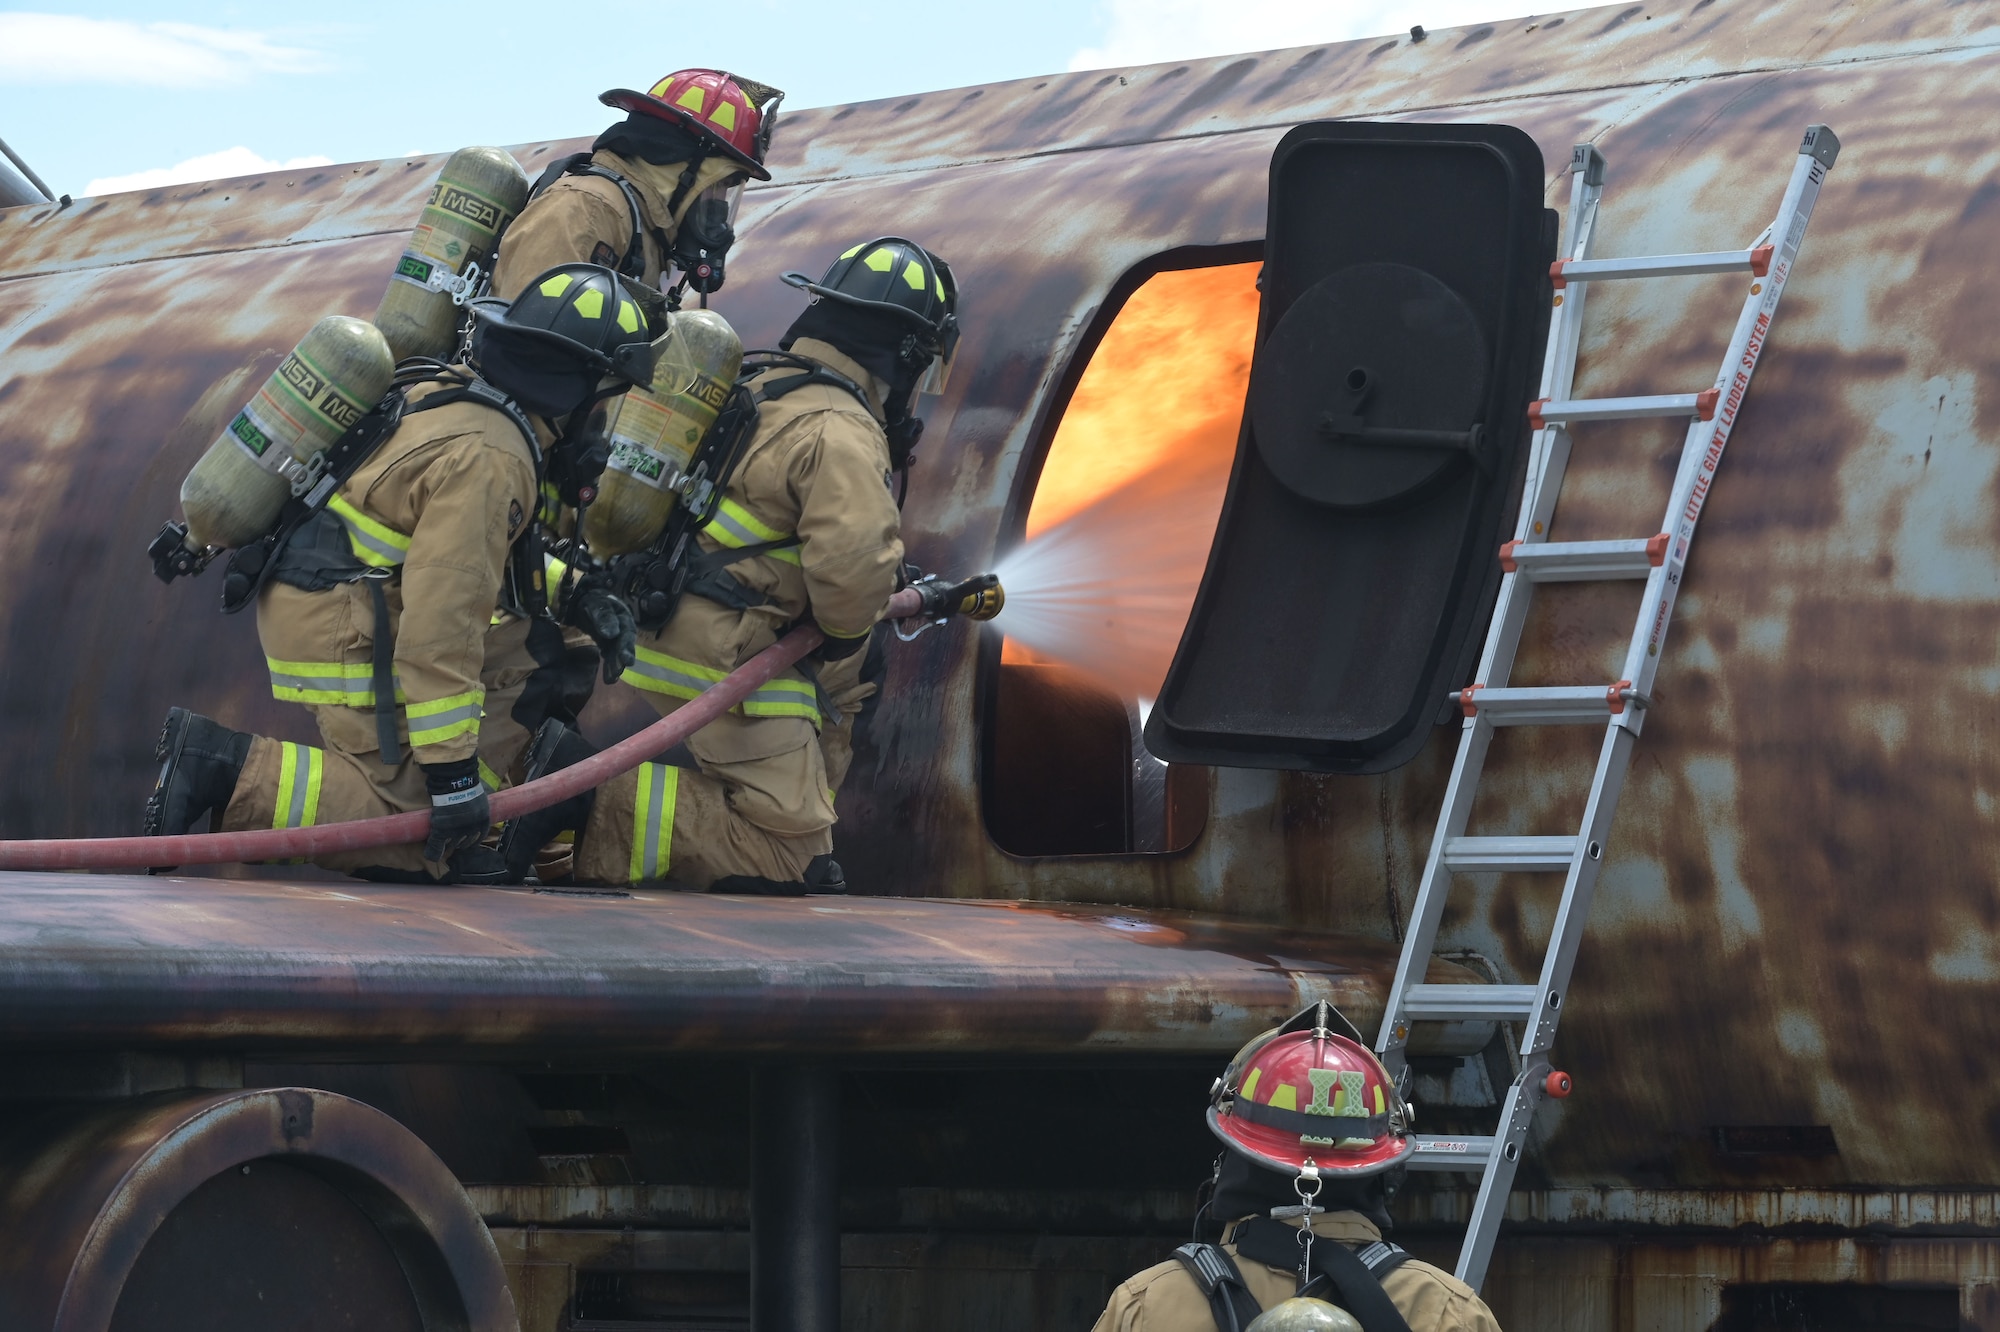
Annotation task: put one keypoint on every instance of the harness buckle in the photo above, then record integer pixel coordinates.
(303, 476)
(461, 287)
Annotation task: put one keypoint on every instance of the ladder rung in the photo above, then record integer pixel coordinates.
(1509, 853)
(1583, 561)
(1758, 261)
(1469, 1003)
(1451, 1154)
(1548, 705)
(1543, 412)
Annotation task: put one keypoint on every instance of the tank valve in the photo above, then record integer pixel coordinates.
(173, 557)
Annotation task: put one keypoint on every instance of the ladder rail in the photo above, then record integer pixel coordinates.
(1706, 440)
(1620, 707)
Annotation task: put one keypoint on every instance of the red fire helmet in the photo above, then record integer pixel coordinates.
(732, 113)
(1311, 1091)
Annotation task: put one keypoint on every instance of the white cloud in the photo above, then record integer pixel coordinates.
(1143, 32)
(237, 161)
(64, 48)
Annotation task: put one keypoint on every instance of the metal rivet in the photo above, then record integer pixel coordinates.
(1756, 287)
(1597, 850)
(245, 1169)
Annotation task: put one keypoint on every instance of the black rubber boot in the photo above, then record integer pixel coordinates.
(554, 748)
(200, 761)
(824, 876)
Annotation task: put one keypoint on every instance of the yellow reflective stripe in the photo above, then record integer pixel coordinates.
(375, 543)
(488, 776)
(301, 769)
(658, 673)
(653, 820)
(351, 683)
(439, 719)
(782, 698)
(736, 527)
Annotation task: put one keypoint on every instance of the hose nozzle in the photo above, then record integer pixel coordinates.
(977, 598)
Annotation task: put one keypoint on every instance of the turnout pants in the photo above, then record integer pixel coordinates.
(288, 785)
(758, 804)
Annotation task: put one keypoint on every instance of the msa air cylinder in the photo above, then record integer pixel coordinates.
(476, 196)
(654, 432)
(271, 450)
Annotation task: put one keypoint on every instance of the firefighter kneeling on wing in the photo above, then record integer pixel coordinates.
(806, 531)
(1316, 1136)
(400, 613)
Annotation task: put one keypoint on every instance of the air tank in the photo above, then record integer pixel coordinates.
(339, 370)
(655, 432)
(477, 194)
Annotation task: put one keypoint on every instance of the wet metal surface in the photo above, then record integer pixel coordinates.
(1797, 921)
(110, 960)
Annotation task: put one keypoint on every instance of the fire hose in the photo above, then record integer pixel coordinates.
(930, 599)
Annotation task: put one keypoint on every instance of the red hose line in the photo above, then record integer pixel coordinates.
(220, 848)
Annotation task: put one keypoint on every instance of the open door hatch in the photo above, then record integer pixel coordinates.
(1405, 304)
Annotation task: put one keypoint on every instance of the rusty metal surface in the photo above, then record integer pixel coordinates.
(86, 1194)
(1797, 920)
(111, 960)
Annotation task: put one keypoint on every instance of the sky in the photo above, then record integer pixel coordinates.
(122, 95)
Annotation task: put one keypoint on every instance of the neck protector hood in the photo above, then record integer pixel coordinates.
(649, 139)
(1245, 1188)
(541, 378)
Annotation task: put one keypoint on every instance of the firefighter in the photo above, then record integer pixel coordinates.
(399, 615)
(657, 190)
(1309, 1119)
(807, 532)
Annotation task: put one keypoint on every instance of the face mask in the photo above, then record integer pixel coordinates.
(542, 379)
(705, 235)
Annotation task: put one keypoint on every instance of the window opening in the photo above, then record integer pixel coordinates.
(1116, 537)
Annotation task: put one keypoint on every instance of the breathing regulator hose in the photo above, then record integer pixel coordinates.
(218, 848)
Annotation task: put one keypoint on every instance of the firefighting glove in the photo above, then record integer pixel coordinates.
(833, 648)
(460, 814)
(603, 614)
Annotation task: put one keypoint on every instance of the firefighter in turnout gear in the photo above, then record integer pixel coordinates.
(657, 191)
(1315, 1136)
(400, 614)
(807, 532)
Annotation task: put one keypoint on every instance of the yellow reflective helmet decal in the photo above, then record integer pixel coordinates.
(556, 285)
(660, 89)
(590, 304)
(913, 276)
(856, 250)
(628, 316)
(691, 99)
(1286, 1097)
(940, 286)
(724, 117)
(1250, 1084)
(881, 261)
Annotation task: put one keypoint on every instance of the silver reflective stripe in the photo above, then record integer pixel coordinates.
(668, 675)
(438, 720)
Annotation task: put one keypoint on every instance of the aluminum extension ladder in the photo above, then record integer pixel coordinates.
(1620, 707)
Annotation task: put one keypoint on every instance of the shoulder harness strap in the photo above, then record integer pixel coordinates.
(633, 263)
(1221, 1282)
(1357, 1282)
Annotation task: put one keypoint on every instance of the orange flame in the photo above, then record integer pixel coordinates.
(1135, 477)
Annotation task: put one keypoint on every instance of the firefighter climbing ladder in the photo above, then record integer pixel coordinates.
(1620, 707)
